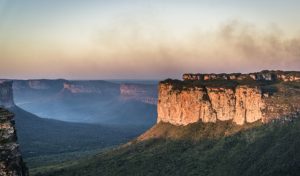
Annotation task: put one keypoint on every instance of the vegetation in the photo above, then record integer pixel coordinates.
(179, 85)
(45, 142)
(199, 149)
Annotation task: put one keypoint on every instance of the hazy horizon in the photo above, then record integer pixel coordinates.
(145, 40)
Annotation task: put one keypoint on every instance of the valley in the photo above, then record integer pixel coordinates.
(74, 124)
(211, 127)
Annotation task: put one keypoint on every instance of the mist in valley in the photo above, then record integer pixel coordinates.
(95, 102)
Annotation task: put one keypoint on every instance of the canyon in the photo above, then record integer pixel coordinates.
(89, 101)
(242, 98)
(39, 138)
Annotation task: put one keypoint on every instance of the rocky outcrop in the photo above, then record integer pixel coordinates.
(139, 92)
(207, 100)
(265, 75)
(11, 162)
(6, 94)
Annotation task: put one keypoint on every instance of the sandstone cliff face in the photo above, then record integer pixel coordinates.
(182, 108)
(11, 163)
(77, 88)
(6, 94)
(139, 92)
(91, 87)
(207, 100)
(249, 105)
(242, 104)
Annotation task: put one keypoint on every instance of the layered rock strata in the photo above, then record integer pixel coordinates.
(139, 92)
(11, 163)
(91, 87)
(185, 102)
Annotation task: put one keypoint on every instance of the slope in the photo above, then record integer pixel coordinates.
(45, 137)
(200, 149)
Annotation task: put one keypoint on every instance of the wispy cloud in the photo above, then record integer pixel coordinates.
(233, 46)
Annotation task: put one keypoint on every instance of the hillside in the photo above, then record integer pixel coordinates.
(45, 141)
(213, 149)
(39, 136)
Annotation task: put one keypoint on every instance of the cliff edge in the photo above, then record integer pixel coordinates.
(242, 98)
(6, 94)
(11, 162)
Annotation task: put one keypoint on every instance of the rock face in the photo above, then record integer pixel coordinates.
(38, 85)
(139, 92)
(248, 105)
(6, 94)
(91, 87)
(210, 99)
(11, 163)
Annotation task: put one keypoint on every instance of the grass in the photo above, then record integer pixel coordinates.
(199, 149)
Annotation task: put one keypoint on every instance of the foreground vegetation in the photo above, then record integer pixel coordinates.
(199, 149)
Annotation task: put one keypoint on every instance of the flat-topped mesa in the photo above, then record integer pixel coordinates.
(265, 75)
(185, 102)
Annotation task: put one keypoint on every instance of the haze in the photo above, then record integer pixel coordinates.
(140, 39)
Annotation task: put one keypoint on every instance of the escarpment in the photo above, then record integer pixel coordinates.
(139, 92)
(11, 163)
(211, 98)
(6, 94)
(265, 75)
(91, 87)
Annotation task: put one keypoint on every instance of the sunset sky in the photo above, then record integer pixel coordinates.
(146, 39)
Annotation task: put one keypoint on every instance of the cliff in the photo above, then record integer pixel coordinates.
(222, 97)
(103, 88)
(6, 94)
(11, 163)
(139, 92)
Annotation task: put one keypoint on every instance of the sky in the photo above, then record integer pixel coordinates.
(146, 39)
